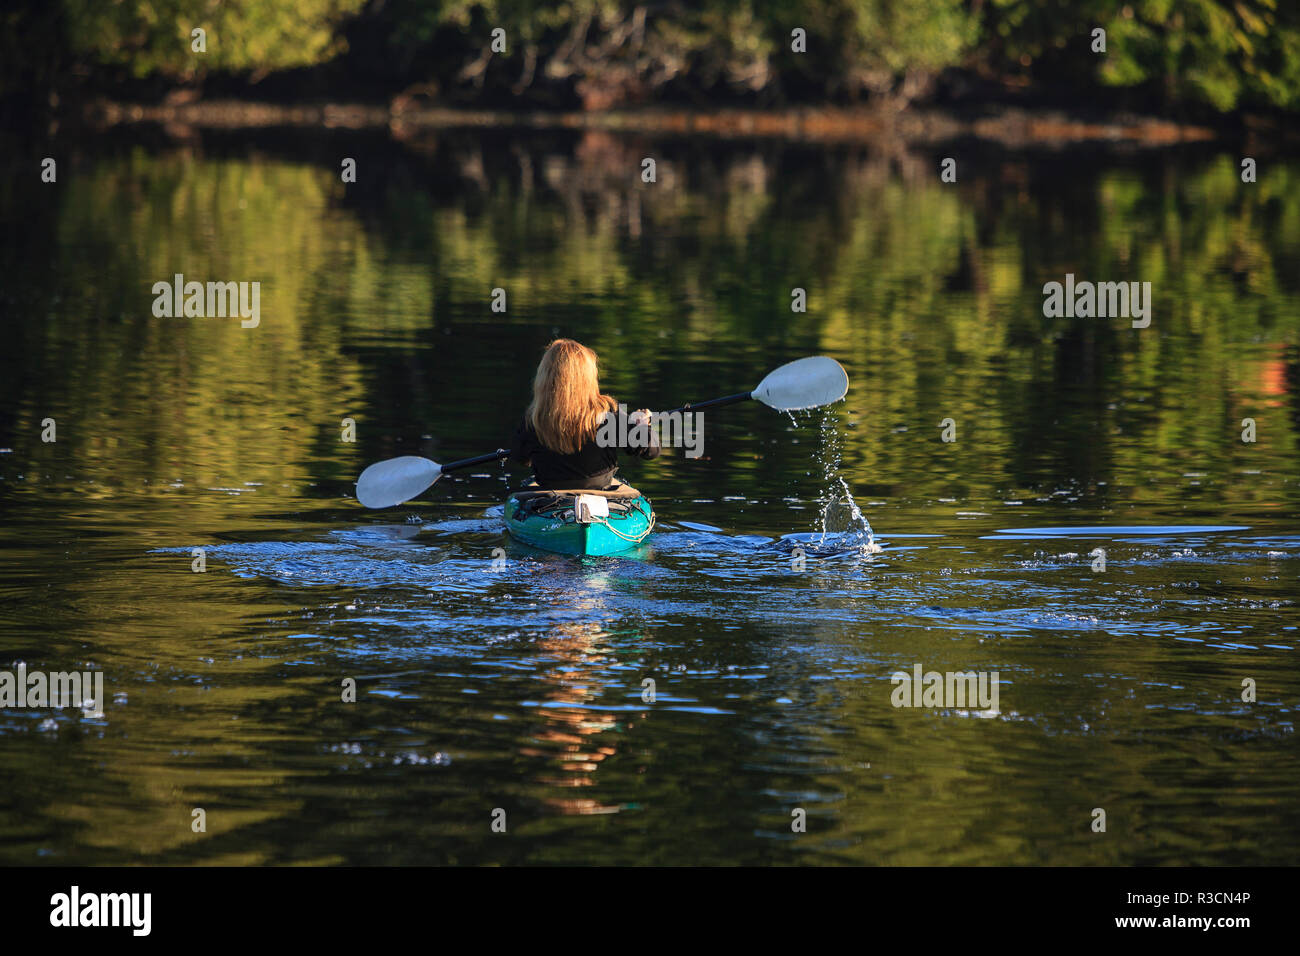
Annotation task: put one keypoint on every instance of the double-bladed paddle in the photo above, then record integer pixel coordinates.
(803, 383)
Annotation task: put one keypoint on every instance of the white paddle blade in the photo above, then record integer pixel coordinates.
(388, 483)
(803, 383)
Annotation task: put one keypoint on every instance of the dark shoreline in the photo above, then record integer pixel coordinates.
(1010, 126)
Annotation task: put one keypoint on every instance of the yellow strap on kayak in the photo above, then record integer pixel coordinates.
(631, 537)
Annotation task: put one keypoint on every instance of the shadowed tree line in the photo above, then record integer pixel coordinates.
(1198, 57)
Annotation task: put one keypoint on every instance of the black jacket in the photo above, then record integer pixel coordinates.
(591, 466)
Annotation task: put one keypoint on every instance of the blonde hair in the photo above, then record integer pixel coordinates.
(567, 405)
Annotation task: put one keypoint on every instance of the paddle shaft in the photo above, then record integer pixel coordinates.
(711, 403)
(476, 460)
(505, 452)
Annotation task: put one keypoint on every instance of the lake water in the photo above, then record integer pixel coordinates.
(510, 679)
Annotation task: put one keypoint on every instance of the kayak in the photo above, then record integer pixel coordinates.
(580, 522)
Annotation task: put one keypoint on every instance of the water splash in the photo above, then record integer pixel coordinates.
(843, 525)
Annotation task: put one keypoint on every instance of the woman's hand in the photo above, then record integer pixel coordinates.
(649, 446)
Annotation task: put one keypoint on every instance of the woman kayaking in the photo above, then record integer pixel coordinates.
(571, 435)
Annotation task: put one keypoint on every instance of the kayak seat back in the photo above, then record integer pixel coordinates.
(620, 498)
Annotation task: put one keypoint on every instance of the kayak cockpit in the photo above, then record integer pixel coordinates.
(580, 521)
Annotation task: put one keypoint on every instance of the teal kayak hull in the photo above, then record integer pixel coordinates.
(558, 532)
